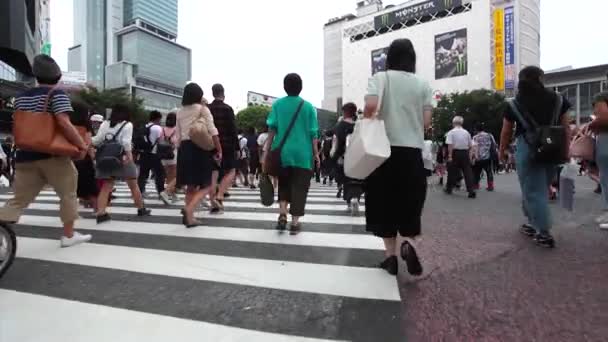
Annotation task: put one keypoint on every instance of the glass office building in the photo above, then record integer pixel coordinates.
(159, 16)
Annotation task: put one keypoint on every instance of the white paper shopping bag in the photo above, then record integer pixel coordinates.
(369, 148)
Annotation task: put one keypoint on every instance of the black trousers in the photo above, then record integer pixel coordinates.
(484, 165)
(151, 162)
(294, 184)
(461, 162)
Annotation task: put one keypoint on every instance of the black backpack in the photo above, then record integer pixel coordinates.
(141, 139)
(109, 154)
(547, 143)
(164, 147)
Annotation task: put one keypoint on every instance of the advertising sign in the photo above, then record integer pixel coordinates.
(451, 55)
(379, 60)
(499, 49)
(414, 11)
(257, 99)
(510, 70)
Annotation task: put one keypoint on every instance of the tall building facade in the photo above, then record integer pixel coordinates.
(460, 44)
(125, 44)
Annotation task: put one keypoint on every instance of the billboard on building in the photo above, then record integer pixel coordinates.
(451, 54)
(510, 68)
(499, 49)
(379, 60)
(257, 99)
(402, 15)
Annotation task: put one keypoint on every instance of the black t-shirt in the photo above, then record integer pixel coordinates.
(541, 108)
(343, 129)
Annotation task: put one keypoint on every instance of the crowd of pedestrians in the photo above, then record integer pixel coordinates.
(199, 150)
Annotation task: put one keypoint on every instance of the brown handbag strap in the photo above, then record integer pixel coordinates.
(48, 98)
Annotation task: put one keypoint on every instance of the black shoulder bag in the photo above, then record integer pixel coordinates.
(547, 143)
(273, 158)
(109, 153)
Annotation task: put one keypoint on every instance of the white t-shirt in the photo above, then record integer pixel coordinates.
(459, 138)
(156, 131)
(106, 132)
(262, 141)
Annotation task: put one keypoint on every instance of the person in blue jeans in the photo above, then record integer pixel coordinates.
(534, 178)
(600, 127)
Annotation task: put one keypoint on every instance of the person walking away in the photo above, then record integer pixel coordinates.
(169, 136)
(352, 188)
(34, 170)
(326, 160)
(254, 157)
(298, 153)
(225, 172)
(118, 129)
(395, 192)
(149, 159)
(87, 189)
(486, 148)
(539, 103)
(441, 168)
(600, 127)
(242, 168)
(195, 165)
(263, 150)
(460, 144)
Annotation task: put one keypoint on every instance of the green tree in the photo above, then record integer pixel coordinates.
(252, 116)
(100, 100)
(477, 106)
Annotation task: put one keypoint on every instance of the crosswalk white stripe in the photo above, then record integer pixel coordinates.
(253, 205)
(229, 215)
(59, 320)
(344, 281)
(352, 241)
(319, 191)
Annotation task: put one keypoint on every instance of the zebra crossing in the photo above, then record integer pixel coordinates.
(233, 279)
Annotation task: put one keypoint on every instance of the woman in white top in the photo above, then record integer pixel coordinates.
(396, 191)
(195, 165)
(118, 126)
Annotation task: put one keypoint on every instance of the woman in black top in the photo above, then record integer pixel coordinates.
(87, 190)
(352, 188)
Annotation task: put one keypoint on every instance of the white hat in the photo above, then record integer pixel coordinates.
(96, 118)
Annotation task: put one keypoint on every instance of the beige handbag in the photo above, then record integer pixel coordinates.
(583, 146)
(199, 134)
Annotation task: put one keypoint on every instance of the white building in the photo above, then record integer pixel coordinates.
(460, 44)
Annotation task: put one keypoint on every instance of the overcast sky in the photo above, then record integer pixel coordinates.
(251, 45)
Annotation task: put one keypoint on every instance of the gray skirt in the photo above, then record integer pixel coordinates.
(126, 172)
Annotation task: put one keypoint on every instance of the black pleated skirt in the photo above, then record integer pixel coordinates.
(395, 194)
(194, 165)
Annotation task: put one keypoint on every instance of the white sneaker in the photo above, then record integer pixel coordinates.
(602, 219)
(604, 226)
(76, 239)
(164, 196)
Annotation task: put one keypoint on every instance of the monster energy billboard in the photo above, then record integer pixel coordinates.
(451, 56)
(415, 11)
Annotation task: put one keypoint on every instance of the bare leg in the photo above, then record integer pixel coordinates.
(136, 193)
(390, 246)
(171, 171)
(104, 195)
(225, 184)
(195, 199)
(68, 229)
(214, 191)
(283, 208)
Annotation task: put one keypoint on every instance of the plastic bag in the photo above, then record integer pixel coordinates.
(367, 150)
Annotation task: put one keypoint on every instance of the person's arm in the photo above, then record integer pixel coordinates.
(126, 140)
(428, 108)
(505, 138)
(101, 133)
(449, 141)
(314, 132)
(214, 133)
(70, 132)
(371, 98)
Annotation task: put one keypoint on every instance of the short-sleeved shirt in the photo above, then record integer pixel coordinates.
(225, 122)
(485, 143)
(459, 138)
(33, 100)
(404, 97)
(541, 109)
(297, 151)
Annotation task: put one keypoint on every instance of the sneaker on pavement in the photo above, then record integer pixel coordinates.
(602, 219)
(409, 255)
(545, 240)
(390, 265)
(144, 212)
(164, 196)
(76, 239)
(528, 230)
(604, 226)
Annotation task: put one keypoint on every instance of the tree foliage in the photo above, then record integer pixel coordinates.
(252, 116)
(100, 100)
(477, 106)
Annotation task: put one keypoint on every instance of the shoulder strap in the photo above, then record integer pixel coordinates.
(48, 98)
(118, 132)
(522, 115)
(559, 102)
(291, 124)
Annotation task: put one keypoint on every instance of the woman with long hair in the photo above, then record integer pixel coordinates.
(170, 135)
(119, 128)
(195, 165)
(534, 177)
(395, 192)
(87, 190)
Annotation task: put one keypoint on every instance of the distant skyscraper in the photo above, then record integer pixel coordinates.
(155, 15)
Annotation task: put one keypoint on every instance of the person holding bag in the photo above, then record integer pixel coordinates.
(542, 140)
(114, 161)
(396, 191)
(169, 142)
(292, 146)
(199, 153)
(43, 112)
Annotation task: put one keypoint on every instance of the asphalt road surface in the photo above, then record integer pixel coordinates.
(236, 279)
